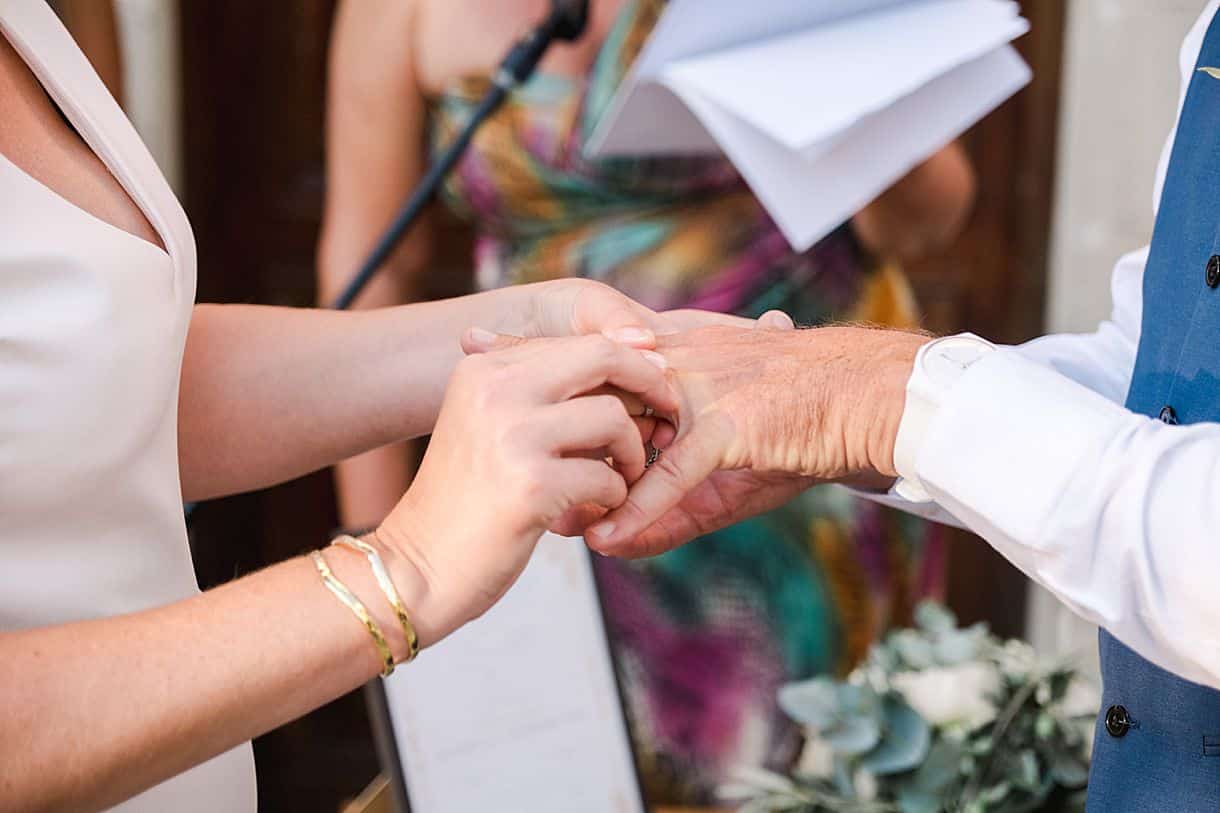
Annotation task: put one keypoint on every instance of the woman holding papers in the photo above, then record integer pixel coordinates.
(707, 633)
(121, 685)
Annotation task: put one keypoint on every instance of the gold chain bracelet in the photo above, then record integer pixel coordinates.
(382, 575)
(349, 600)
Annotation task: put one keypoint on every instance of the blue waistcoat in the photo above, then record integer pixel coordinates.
(1157, 744)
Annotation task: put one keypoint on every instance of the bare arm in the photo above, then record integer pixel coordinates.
(924, 211)
(94, 712)
(269, 394)
(374, 155)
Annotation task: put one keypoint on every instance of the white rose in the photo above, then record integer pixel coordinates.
(944, 695)
(817, 758)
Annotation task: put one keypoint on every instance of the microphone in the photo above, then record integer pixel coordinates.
(566, 21)
(573, 18)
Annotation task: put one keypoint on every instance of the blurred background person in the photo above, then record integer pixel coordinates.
(706, 634)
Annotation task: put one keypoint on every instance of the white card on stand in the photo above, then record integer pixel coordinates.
(520, 710)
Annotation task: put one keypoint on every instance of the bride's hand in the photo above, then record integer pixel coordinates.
(518, 443)
(579, 307)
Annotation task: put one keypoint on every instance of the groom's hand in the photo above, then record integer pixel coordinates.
(764, 415)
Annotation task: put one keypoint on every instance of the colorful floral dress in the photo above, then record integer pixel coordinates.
(704, 635)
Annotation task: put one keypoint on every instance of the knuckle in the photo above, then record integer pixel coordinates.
(609, 409)
(532, 483)
(469, 369)
(600, 348)
(670, 470)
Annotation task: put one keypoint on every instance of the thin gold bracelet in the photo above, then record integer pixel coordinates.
(387, 586)
(349, 600)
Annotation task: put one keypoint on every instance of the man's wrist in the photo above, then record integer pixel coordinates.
(848, 410)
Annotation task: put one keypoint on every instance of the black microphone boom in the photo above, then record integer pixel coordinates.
(567, 20)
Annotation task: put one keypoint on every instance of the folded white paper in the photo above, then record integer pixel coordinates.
(820, 105)
(520, 710)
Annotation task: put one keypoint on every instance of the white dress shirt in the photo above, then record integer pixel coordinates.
(1115, 513)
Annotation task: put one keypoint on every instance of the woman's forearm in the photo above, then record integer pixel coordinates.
(269, 394)
(95, 712)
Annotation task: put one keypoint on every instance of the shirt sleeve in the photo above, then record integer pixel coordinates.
(1101, 362)
(1115, 513)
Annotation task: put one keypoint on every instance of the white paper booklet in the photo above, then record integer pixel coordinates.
(820, 104)
(520, 709)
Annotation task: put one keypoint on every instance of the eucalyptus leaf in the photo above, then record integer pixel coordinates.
(764, 780)
(766, 805)
(934, 618)
(736, 791)
(995, 794)
(913, 800)
(1069, 771)
(1044, 726)
(958, 646)
(843, 779)
(905, 744)
(813, 703)
(915, 650)
(1027, 775)
(940, 769)
(853, 736)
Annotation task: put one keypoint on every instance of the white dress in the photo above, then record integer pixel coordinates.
(93, 323)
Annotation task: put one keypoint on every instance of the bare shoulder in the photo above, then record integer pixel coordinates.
(453, 39)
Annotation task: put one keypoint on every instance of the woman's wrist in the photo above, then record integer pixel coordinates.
(413, 582)
(353, 569)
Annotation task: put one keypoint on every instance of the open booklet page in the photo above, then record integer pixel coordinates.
(820, 119)
(520, 710)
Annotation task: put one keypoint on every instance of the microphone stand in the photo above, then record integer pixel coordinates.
(566, 22)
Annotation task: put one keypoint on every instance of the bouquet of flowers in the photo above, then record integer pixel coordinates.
(937, 718)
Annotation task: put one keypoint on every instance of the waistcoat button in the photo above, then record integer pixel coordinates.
(1117, 721)
(1168, 416)
(1213, 271)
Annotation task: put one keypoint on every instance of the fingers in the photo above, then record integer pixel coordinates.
(597, 362)
(596, 422)
(598, 308)
(575, 520)
(663, 434)
(674, 475)
(775, 320)
(589, 483)
(678, 321)
(555, 370)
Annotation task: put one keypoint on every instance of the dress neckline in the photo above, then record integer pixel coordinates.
(91, 135)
